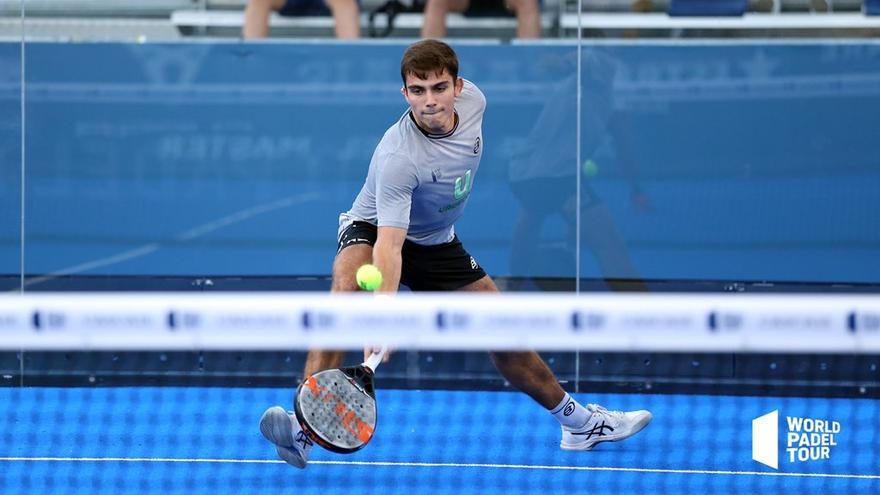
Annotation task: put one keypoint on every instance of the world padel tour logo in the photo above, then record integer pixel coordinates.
(806, 439)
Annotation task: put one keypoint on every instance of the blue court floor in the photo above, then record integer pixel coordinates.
(190, 441)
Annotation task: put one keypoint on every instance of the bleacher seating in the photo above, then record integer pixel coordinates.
(559, 18)
(226, 19)
(96, 8)
(762, 18)
(91, 20)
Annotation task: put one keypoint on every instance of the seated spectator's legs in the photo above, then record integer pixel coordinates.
(528, 17)
(346, 15)
(256, 17)
(435, 16)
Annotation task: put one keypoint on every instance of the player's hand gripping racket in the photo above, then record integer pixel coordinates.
(337, 407)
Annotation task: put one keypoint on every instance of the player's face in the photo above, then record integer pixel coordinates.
(433, 100)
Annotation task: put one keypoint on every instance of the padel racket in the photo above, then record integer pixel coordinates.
(337, 407)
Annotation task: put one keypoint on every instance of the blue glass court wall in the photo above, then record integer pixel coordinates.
(698, 161)
(745, 162)
(235, 159)
(10, 164)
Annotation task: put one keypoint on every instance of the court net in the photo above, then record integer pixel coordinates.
(748, 393)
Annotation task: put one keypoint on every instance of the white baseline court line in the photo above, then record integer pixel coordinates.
(441, 465)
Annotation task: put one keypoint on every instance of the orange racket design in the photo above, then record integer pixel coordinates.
(337, 407)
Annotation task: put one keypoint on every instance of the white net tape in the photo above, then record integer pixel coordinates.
(599, 322)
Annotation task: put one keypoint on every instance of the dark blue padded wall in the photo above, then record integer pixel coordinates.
(716, 161)
(10, 164)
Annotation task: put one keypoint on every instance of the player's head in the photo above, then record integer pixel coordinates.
(429, 70)
(428, 56)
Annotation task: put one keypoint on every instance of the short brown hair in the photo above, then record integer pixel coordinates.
(428, 57)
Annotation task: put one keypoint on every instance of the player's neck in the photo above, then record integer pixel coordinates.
(446, 130)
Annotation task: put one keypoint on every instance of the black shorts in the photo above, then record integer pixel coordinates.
(443, 267)
(490, 8)
(304, 8)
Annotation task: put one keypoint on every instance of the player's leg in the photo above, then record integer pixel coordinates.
(582, 427)
(528, 17)
(434, 24)
(279, 426)
(256, 17)
(292, 444)
(345, 266)
(346, 17)
(524, 370)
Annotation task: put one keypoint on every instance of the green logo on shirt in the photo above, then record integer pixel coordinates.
(462, 188)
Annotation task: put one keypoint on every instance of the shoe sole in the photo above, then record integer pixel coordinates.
(291, 457)
(589, 444)
(276, 427)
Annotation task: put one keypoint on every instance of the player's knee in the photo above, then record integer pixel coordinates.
(344, 279)
(346, 265)
(346, 283)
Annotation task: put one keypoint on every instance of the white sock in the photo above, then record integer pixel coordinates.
(569, 413)
(301, 438)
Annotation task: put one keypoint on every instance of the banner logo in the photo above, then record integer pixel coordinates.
(806, 439)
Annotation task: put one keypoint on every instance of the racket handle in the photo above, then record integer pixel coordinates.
(375, 358)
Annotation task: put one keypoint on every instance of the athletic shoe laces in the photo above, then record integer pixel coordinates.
(597, 409)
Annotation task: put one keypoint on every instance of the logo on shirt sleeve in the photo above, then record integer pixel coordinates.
(477, 146)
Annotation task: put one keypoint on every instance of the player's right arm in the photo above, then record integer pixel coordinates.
(396, 179)
(387, 256)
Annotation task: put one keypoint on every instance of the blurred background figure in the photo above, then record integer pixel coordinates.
(543, 176)
(346, 15)
(528, 15)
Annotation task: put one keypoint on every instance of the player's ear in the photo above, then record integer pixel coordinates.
(459, 85)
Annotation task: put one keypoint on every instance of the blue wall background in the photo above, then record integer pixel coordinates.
(10, 158)
(699, 161)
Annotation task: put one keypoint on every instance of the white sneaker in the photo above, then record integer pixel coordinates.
(281, 428)
(604, 426)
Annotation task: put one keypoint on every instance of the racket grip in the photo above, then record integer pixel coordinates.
(375, 358)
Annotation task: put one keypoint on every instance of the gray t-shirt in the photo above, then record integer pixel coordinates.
(421, 182)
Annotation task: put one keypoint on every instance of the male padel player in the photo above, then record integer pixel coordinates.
(417, 186)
